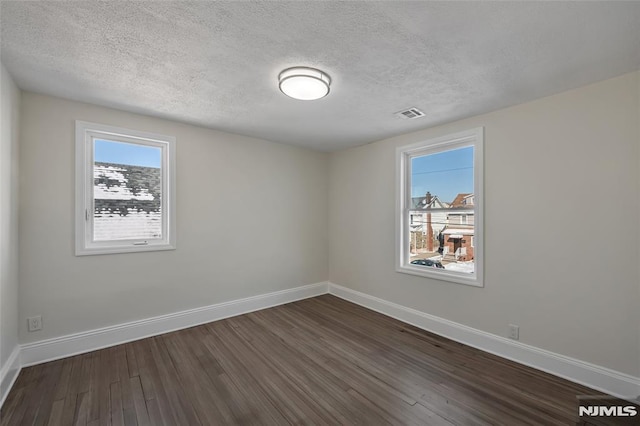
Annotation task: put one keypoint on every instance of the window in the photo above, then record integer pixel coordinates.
(125, 190)
(442, 180)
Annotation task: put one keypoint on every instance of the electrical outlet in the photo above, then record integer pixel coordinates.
(34, 323)
(514, 332)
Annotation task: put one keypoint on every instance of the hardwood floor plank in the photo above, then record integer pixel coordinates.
(99, 386)
(247, 400)
(324, 386)
(207, 399)
(181, 408)
(122, 367)
(32, 400)
(142, 416)
(13, 408)
(132, 362)
(271, 386)
(73, 388)
(146, 368)
(155, 414)
(110, 356)
(43, 400)
(151, 383)
(55, 418)
(129, 415)
(293, 367)
(82, 409)
(317, 361)
(115, 396)
(63, 382)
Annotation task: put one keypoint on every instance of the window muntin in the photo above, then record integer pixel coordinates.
(439, 211)
(125, 183)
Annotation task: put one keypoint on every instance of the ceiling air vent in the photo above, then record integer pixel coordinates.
(410, 113)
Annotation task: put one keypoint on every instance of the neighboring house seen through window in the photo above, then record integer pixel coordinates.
(125, 182)
(439, 211)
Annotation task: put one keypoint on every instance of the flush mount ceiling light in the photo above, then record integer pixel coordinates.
(304, 83)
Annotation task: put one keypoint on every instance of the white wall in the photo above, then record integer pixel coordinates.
(572, 288)
(9, 110)
(252, 219)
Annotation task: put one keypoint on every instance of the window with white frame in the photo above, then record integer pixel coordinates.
(447, 244)
(125, 190)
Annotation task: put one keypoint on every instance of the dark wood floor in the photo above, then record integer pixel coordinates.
(316, 361)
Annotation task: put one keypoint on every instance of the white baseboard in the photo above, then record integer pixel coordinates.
(596, 377)
(86, 341)
(9, 373)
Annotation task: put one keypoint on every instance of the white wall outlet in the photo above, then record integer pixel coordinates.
(514, 332)
(34, 323)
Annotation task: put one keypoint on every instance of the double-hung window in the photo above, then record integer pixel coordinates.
(125, 190)
(439, 230)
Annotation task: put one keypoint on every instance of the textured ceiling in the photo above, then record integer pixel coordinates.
(215, 64)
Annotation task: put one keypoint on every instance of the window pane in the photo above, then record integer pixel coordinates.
(127, 191)
(442, 211)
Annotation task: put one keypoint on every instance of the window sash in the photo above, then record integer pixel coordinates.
(90, 195)
(86, 135)
(404, 155)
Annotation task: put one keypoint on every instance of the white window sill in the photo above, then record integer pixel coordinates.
(125, 248)
(442, 275)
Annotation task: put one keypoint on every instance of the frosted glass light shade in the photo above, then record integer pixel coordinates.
(304, 83)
